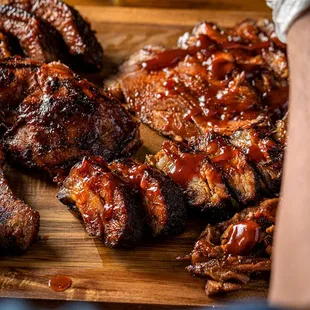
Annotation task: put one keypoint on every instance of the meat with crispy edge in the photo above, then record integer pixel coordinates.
(108, 207)
(36, 38)
(238, 172)
(229, 252)
(19, 223)
(201, 182)
(264, 153)
(75, 31)
(163, 201)
(61, 118)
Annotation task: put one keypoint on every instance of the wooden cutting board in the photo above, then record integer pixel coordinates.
(148, 274)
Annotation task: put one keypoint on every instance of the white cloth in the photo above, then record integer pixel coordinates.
(285, 12)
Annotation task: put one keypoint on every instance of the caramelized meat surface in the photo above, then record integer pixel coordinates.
(239, 174)
(61, 118)
(19, 223)
(75, 31)
(36, 38)
(163, 200)
(264, 153)
(200, 180)
(280, 131)
(5, 50)
(229, 252)
(107, 206)
(216, 79)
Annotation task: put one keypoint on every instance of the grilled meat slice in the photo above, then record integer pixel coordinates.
(266, 155)
(237, 171)
(19, 224)
(163, 200)
(36, 38)
(232, 250)
(75, 31)
(65, 118)
(201, 182)
(216, 79)
(107, 206)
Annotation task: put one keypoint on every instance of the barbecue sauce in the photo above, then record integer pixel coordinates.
(184, 167)
(242, 238)
(60, 283)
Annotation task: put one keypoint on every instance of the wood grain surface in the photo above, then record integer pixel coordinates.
(244, 5)
(148, 274)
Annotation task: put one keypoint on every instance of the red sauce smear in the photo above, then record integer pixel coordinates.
(185, 166)
(242, 238)
(170, 58)
(59, 283)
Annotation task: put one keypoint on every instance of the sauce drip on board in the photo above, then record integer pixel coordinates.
(60, 283)
(242, 238)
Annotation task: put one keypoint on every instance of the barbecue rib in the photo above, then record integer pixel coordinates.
(58, 118)
(216, 79)
(228, 252)
(19, 224)
(108, 207)
(76, 32)
(163, 201)
(201, 182)
(37, 39)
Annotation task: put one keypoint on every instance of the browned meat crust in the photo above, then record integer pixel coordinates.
(201, 182)
(163, 200)
(108, 207)
(75, 31)
(19, 224)
(280, 131)
(216, 79)
(63, 118)
(5, 50)
(230, 251)
(237, 171)
(36, 38)
(264, 153)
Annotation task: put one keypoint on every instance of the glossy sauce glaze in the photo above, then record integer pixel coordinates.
(183, 167)
(60, 283)
(242, 238)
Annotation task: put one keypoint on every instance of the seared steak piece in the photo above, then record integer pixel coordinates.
(106, 204)
(201, 182)
(216, 79)
(19, 224)
(264, 153)
(237, 171)
(76, 32)
(63, 118)
(163, 201)
(229, 252)
(37, 39)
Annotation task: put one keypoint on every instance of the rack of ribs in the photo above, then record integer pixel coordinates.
(216, 79)
(116, 205)
(49, 31)
(55, 118)
(226, 254)
(19, 223)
